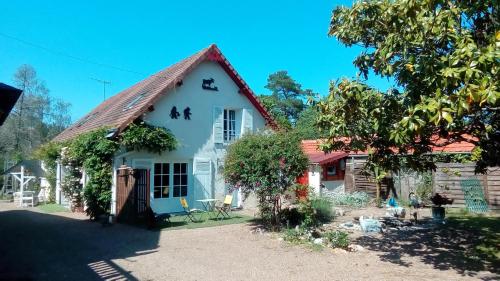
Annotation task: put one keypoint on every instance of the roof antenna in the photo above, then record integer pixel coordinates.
(104, 82)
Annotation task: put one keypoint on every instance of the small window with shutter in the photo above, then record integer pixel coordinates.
(247, 126)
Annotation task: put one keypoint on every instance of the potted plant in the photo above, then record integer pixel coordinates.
(438, 211)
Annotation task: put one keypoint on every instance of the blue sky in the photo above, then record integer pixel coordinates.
(258, 38)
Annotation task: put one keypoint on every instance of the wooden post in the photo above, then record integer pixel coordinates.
(22, 186)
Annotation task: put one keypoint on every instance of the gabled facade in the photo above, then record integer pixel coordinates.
(205, 104)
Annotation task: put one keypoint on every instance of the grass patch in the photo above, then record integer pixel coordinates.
(5, 196)
(179, 222)
(52, 208)
(486, 230)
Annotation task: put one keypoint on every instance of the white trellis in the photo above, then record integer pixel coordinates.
(23, 181)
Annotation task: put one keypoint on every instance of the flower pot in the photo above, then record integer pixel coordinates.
(438, 212)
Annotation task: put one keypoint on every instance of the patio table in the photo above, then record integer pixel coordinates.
(208, 205)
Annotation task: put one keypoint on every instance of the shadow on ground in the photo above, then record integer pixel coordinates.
(38, 246)
(467, 245)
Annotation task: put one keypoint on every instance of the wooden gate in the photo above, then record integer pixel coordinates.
(132, 194)
(141, 191)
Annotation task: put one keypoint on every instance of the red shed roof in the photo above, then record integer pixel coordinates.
(116, 113)
(315, 155)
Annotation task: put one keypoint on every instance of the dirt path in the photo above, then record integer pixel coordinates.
(66, 246)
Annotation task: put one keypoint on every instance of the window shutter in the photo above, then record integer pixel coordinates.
(218, 125)
(247, 126)
(202, 173)
(202, 166)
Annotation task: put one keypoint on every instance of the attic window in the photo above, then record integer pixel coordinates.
(133, 102)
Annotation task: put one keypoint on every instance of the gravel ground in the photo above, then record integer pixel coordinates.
(66, 246)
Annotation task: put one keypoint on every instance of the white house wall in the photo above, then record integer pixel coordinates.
(195, 136)
(315, 178)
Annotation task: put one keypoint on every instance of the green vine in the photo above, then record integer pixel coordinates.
(49, 153)
(93, 152)
(146, 137)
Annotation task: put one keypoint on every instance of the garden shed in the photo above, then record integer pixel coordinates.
(455, 180)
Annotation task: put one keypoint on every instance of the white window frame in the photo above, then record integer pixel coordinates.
(180, 174)
(229, 125)
(161, 184)
(171, 174)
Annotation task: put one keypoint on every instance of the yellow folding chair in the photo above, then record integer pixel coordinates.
(225, 208)
(189, 212)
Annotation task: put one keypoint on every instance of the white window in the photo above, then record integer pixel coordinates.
(229, 125)
(167, 175)
(162, 180)
(180, 180)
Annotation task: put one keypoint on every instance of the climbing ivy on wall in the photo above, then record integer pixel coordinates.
(49, 153)
(93, 152)
(146, 137)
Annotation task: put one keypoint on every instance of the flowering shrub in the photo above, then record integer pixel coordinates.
(267, 164)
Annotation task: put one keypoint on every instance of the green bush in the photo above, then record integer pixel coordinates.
(308, 214)
(315, 210)
(337, 239)
(268, 165)
(424, 188)
(323, 209)
(293, 235)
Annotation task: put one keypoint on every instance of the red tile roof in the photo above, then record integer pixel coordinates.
(457, 146)
(112, 113)
(315, 155)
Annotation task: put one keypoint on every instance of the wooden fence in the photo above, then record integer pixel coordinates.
(445, 180)
(356, 180)
(448, 176)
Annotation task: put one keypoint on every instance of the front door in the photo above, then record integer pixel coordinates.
(170, 182)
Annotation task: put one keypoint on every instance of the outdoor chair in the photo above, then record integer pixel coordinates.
(225, 208)
(188, 211)
(28, 198)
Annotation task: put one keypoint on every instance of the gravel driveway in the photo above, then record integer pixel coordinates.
(66, 246)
